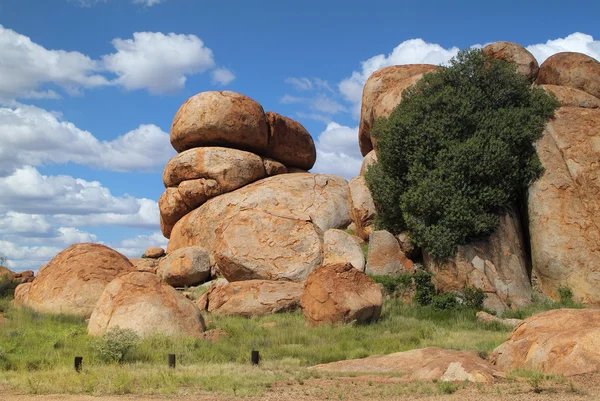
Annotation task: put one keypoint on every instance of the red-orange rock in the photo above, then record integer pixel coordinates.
(385, 256)
(225, 118)
(574, 70)
(340, 293)
(369, 160)
(289, 142)
(573, 97)
(362, 207)
(516, 54)
(185, 267)
(154, 252)
(172, 208)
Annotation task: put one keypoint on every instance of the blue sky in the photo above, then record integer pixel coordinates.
(89, 88)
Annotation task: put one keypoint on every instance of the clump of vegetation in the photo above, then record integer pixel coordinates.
(425, 295)
(424, 288)
(113, 345)
(457, 152)
(565, 295)
(7, 285)
(394, 285)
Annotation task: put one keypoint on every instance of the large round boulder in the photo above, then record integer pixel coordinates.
(251, 298)
(290, 143)
(271, 229)
(381, 95)
(340, 293)
(185, 267)
(574, 70)
(225, 118)
(563, 342)
(145, 304)
(516, 54)
(342, 247)
(385, 257)
(72, 282)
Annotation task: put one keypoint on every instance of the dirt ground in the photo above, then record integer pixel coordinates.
(586, 387)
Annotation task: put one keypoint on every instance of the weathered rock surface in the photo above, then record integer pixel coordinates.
(230, 168)
(18, 277)
(564, 206)
(22, 293)
(172, 209)
(382, 93)
(251, 298)
(185, 267)
(574, 70)
(154, 252)
(73, 280)
(573, 97)
(195, 192)
(143, 303)
(408, 246)
(516, 54)
(498, 266)
(289, 142)
(273, 167)
(485, 317)
(368, 161)
(362, 207)
(341, 247)
(271, 229)
(422, 365)
(340, 293)
(385, 256)
(225, 118)
(563, 341)
(147, 265)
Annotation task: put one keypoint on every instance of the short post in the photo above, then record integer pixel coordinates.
(172, 361)
(255, 357)
(78, 363)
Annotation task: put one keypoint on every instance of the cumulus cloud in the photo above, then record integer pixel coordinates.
(338, 152)
(222, 76)
(135, 247)
(13, 223)
(145, 215)
(33, 136)
(575, 42)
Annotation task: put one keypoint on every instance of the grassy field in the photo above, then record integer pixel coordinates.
(37, 351)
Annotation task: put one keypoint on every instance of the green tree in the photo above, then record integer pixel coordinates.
(457, 152)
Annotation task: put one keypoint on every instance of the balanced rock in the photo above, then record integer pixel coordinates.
(225, 118)
(498, 266)
(564, 206)
(73, 280)
(269, 230)
(143, 303)
(185, 267)
(381, 95)
(340, 293)
(154, 252)
(251, 298)
(290, 143)
(147, 265)
(563, 341)
(385, 256)
(425, 364)
(516, 54)
(369, 160)
(574, 70)
(341, 247)
(172, 209)
(573, 97)
(362, 207)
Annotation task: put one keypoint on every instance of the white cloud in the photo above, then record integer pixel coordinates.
(21, 258)
(145, 215)
(301, 84)
(222, 76)
(135, 247)
(24, 224)
(338, 152)
(33, 136)
(327, 105)
(147, 3)
(575, 42)
(158, 62)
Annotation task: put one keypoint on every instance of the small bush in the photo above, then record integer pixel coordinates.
(394, 285)
(473, 297)
(7, 285)
(446, 301)
(424, 288)
(565, 295)
(115, 343)
(446, 387)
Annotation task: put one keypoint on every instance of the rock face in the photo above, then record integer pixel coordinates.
(73, 280)
(142, 302)
(385, 256)
(271, 229)
(154, 252)
(147, 265)
(574, 70)
(172, 209)
(573, 97)
(185, 267)
(516, 54)
(564, 341)
(252, 298)
(20, 277)
(422, 365)
(341, 247)
(22, 293)
(290, 143)
(564, 206)
(224, 118)
(368, 161)
(498, 266)
(362, 207)
(382, 93)
(340, 293)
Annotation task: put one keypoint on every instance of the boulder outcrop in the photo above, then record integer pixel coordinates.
(143, 303)
(516, 54)
(251, 298)
(73, 280)
(340, 293)
(289, 142)
(341, 247)
(185, 267)
(573, 70)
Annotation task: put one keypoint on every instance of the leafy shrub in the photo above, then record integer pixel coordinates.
(565, 295)
(424, 288)
(445, 301)
(457, 152)
(7, 285)
(473, 297)
(396, 284)
(113, 345)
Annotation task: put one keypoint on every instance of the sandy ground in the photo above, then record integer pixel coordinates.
(585, 387)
